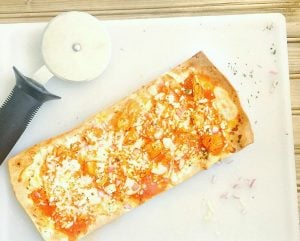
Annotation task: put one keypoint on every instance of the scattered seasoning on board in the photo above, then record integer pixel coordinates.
(232, 67)
(273, 49)
(213, 179)
(247, 76)
(273, 86)
(273, 72)
(236, 186)
(251, 182)
(251, 74)
(269, 27)
(224, 195)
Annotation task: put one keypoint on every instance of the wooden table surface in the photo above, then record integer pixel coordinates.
(38, 10)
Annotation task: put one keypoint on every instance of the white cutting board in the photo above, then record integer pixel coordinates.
(218, 204)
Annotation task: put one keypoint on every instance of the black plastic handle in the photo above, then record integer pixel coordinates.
(19, 109)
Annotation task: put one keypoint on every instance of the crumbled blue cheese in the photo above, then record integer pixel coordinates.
(159, 109)
(71, 140)
(152, 90)
(180, 78)
(109, 205)
(110, 189)
(223, 125)
(159, 96)
(185, 123)
(147, 106)
(158, 134)
(202, 101)
(215, 129)
(139, 162)
(131, 186)
(47, 232)
(171, 100)
(159, 169)
(138, 144)
(32, 172)
(181, 163)
(168, 143)
(174, 178)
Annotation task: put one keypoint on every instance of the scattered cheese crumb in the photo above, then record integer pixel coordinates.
(152, 90)
(158, 134)
(168, 143)
(110, 189)
(159, 169)
(202, 101)
(215, 129)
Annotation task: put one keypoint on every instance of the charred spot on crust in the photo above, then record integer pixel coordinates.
(239, 139)
(240, 119)
(235, 128)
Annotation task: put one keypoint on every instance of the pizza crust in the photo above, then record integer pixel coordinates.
(20, 162)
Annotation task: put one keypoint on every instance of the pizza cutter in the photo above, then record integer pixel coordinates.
(75, 47)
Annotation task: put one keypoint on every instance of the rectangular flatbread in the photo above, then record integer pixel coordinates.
(177, 125)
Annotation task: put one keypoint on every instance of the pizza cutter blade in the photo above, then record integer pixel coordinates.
(75, 47)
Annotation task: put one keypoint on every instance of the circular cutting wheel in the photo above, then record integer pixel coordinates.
(76, 47)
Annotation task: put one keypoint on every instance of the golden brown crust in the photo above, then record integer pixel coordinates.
(19, 163)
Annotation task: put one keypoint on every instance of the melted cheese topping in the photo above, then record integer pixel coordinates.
(32, 172)
(224, 104)
(150, 142)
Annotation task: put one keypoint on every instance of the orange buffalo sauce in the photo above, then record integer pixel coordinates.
(39, 197)
(213, 143)
(79, 226)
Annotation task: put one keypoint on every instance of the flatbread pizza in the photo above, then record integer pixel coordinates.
(177, 125)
